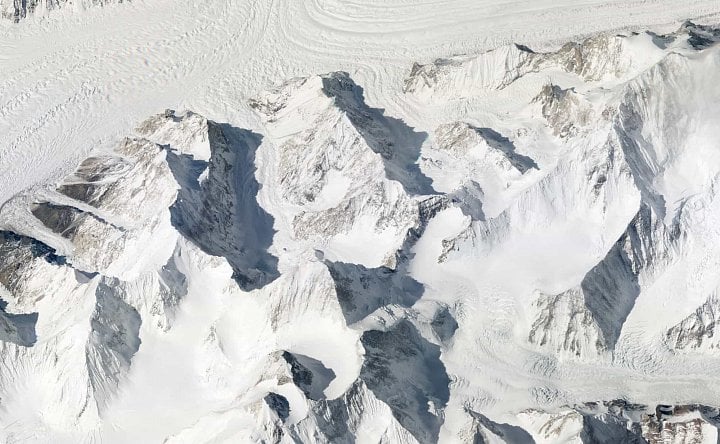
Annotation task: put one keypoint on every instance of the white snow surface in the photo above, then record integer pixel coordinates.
(377, 221)
(74, 81)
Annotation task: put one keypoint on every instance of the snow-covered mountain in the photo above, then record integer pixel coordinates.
(531, 255)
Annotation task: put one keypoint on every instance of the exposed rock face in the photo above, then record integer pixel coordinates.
(566, 311)
(18, 328)
(698, 36)
(346, 167)
(278, 404)
(564, 110)
(337, 276)
(114, 339)
(309, 374)
(17, 10)
(463, 140)
(404, 370)
(361, 290)
(495, 69)
(483, 166)
(698, 329)
(218, 211)
(611, 287)
(484, 430)
(620, 421)
(643, 144)
(216, 207)
(352, 415)
(596, 58)
(18, 255)
(110, 206)
(122, 219)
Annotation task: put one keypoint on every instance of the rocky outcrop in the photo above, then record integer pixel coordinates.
(337, 276)
(114, 339)
(697, 331)
(564, 109)
(404, 370)
(565, 325)
(219, 211)
(596, 58)
(17, 10)
(348, 169)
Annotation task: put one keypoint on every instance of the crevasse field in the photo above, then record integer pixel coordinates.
(372, 221)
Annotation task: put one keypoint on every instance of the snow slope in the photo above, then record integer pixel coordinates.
(76, 80)
(377, 224)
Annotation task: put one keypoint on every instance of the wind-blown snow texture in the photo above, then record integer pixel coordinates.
(518, 244)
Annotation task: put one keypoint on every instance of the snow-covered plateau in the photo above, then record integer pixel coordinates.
(330, 221)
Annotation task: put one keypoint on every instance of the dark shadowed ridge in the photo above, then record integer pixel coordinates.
(469, 198)
(397, 143)
(404, 371)
(509, 433)
(278, 404)
(221, 215)
(17, 328)
(114, 339)
(610, 429)
(401, 367)
(309, 375)
(505, 145)
(611, 288)
(361, 290)
(15, 251)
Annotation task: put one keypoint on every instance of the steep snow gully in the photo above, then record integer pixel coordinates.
(523, 248)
